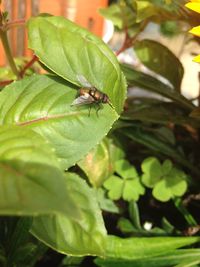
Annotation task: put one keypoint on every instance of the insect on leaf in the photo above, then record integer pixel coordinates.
(83, 100)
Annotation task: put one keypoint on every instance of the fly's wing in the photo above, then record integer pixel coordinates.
(83, 81)
(83, 100)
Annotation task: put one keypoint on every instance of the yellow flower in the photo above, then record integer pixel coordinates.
(197, 59)
(195, 6)
(195, 31)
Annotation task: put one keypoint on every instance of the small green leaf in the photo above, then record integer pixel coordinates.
(115, 186)
(125, 169)
(166, 167)
(133, 189)
(172, 184)
(177, 180)
(122, 16)
(152, 170)
(145, 9)
(85, 236)
(166, 181)
(161, 192)
(128, 186)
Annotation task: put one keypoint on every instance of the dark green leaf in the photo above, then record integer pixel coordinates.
(71, 51)
(161, 60)
(163, 113)
(134, 214)
(126, 226)
(85, 236)
(17, 239)
(147, 82)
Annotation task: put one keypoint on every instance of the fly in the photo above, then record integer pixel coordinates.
(89, 94)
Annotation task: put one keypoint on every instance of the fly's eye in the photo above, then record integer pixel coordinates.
(105, 99)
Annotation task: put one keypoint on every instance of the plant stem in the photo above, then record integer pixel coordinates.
(28, 65)
(6, 46)
(129, 41)
(4, 83)
(188, 217)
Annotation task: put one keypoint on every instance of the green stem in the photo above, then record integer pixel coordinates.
(6, 46)
(188, 217)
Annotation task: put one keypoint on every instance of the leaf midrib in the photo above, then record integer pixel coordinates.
(50, 117)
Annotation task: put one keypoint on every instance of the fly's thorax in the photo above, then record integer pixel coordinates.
(84, 91)
(97, 95)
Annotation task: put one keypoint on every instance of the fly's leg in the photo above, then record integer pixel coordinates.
(98, 105)
(90, 107)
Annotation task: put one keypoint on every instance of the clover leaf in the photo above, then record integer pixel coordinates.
(166, 180)
(125, 184)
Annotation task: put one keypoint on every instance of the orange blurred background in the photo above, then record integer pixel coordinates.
(83, 12)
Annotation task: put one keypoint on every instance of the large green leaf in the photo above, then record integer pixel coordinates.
(147, 82)
(171, 258)
(71, 51)
(29, 182)
(43, 103)
(142, 247)
(161, 60)
(24, 144)
(33, 189)
(75, 237)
